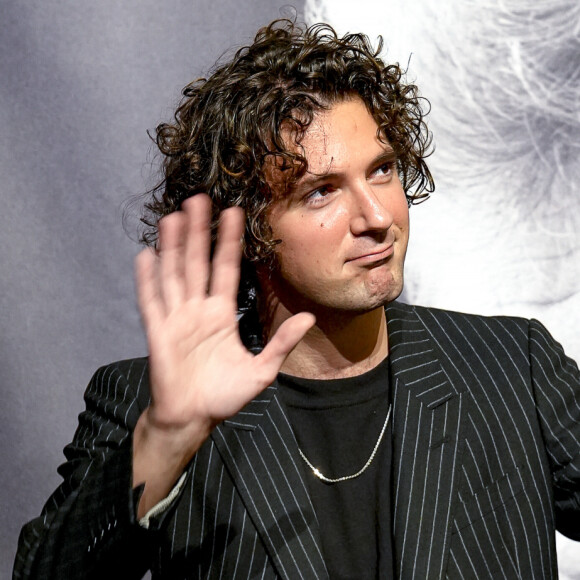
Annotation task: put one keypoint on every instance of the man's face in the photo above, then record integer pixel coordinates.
(344, 226)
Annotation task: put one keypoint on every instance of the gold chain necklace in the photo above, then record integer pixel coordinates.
(323, 477)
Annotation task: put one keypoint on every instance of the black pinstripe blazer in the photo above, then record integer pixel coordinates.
(486, 463)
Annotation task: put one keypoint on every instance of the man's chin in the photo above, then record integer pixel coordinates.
(368, 303)
(381, 292)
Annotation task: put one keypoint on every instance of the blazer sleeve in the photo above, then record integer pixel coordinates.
(88, 528)
(557, 389)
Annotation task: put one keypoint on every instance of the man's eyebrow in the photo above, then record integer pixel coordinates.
(309, 179)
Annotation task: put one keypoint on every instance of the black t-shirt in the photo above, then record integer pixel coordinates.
(337, 424)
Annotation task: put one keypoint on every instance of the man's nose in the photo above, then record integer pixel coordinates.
(368, 211)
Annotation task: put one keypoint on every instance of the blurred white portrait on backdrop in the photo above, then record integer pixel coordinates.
(501, 233)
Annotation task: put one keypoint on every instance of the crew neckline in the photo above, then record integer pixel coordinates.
(322, 393)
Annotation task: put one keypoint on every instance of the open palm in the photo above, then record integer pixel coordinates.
(201, 373)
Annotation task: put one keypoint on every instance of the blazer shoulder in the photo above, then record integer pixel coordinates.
(472, 335)
(442, 313)
(124, 381)
(446, 318)
(133, 371)
(129, 367)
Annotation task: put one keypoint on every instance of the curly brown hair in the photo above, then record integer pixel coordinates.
(231, 127)
(228, 126)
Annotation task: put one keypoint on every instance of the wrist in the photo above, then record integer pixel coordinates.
(161, 455)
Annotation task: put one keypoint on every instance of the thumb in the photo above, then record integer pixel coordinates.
(290, 333)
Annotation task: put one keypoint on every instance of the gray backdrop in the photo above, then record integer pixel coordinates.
(80, 84)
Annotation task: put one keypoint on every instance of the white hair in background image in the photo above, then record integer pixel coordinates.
(501, 233)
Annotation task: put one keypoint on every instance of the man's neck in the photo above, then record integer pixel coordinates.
(338, 345)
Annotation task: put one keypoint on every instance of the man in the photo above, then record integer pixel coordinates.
(358, 442)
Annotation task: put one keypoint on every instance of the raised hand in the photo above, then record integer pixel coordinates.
(200, 371)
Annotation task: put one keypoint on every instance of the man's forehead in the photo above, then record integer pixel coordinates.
(330, 144)
(326, 145)
(327, 167)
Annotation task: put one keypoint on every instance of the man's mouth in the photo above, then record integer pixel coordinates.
(373, 256)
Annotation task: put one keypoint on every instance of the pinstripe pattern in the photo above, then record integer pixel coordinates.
(486, 459)
(500, 516)
(96, 480)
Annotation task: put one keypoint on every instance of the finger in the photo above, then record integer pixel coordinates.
(197, 245)
(290, 333)
(171, 259)
(225, 277)
(148, 291)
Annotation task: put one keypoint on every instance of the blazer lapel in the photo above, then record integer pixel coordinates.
(261, 454)
(426, 447)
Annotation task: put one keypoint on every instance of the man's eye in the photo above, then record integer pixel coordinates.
(384, 169)
(318, 195)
